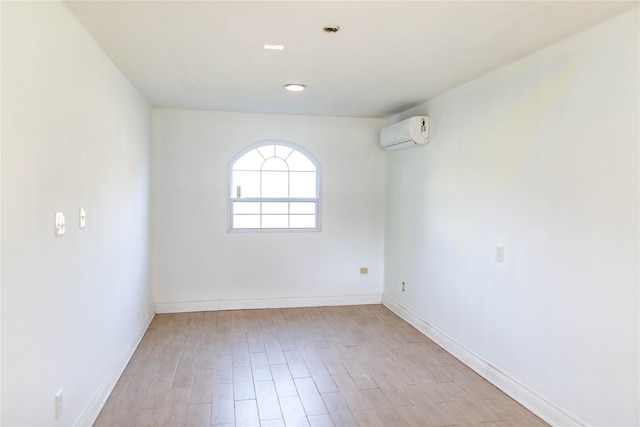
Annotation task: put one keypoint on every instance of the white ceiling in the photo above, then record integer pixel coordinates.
(388, 55)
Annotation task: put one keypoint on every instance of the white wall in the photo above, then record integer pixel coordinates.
(541, 156)
(0, 216)
(75, 134)
(197, 264)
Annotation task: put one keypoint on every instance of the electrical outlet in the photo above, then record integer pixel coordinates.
(500, 253)
(403, 287)
(59, 403)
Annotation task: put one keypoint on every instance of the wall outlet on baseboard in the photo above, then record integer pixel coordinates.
(403, 286)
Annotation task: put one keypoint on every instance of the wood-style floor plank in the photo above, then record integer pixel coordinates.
(324, 366)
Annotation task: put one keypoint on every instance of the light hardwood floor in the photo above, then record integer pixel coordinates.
(327, 366)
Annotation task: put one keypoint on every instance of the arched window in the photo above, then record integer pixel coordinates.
(275, 186)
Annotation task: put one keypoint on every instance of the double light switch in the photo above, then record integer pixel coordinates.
(59, 225)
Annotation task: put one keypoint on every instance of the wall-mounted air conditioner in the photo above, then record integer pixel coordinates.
(408, 133)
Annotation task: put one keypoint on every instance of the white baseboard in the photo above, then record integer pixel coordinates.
(93, 408)
(520, 393)
(247, 304)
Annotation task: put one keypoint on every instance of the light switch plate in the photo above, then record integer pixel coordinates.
(500, 253)
(83, 218)
(59, 224)
(59, 403)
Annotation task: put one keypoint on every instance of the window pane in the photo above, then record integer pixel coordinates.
(303, 208)
(283, 184)
(302, 221)
(275, 221)
(249, 183)
(275, 184)
(246, 207)
(283, 151)
(267, 151)
(250, 161)
(246, 221)
(275, 208)
(299, 162)
(303, 184)
(275, 164)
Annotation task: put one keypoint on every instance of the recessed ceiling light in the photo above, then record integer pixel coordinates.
(269, 46)
(295, 87)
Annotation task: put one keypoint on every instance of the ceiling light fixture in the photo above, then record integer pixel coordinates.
(269, 46)
(295, 87)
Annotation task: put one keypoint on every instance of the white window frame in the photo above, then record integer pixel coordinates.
(230, 199)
